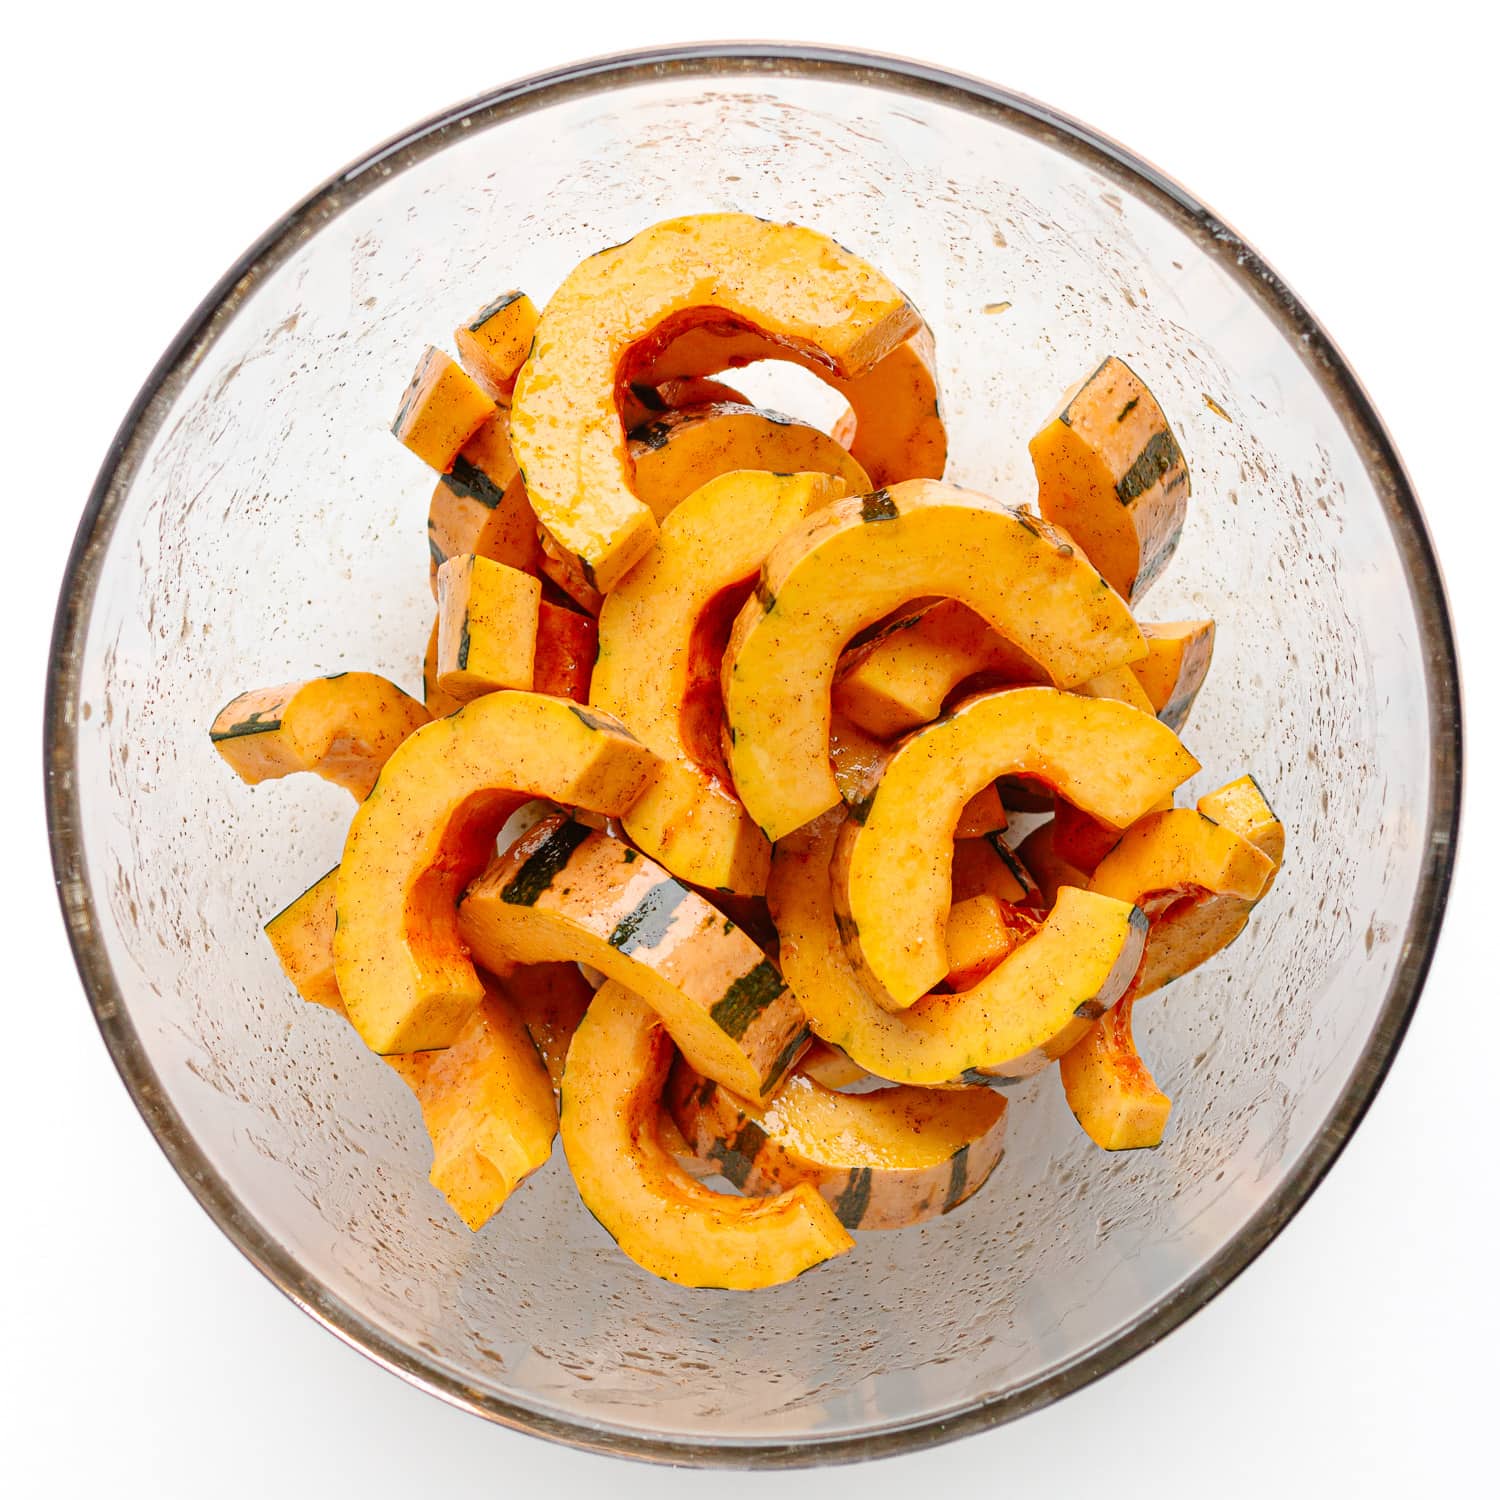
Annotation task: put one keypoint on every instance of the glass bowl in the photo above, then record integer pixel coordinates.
(255, 522)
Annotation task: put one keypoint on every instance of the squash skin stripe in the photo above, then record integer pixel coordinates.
(541, 869)
(648, 924)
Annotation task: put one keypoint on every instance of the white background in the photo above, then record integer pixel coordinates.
(147, 145)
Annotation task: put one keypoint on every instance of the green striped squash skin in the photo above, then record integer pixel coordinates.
(766, 1152)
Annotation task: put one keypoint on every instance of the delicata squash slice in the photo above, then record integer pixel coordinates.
(1109, 1089)
(892, 875)
(795, 286)
(301, 935)
(894, 425)
(1174, 667)
(343, 728)
(853, 563)
(1110, 473)
(429, 827)
(882, 1160)
(658, 669)
(480, 506)
(658, 1215)
(563, 891)
(1029, 1010)
(682, 450)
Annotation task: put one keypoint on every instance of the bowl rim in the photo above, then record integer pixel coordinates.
(726, 60)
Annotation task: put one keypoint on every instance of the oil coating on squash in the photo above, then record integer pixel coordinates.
(882, 1159)
(791, 284)
(343, 728)
(655, 1212)
(564, 891)
(892, 875)
(1110, 472)
(658, 669)
(1175, 667)
(494, 343)
(1028, 1011)
(853, 563)
(302, 936)
(429, 827)
(441, 409)
(487, 627)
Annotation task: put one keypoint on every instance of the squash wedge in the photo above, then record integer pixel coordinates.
(1046, 866)
(1110, 1090)
(658, 668)
(979, 933)
(494, 343)
(795, 286)
(1174, 667)
(550, 1000)
(901, 677)
(882, 1160)
(566, 645)
(487, 627)
(988, 866)
(480, 506)
(429, 827)
(563, 892)
(828, 1066)
(439, 703)
(641, 403)
(568, 574)
(1198, 880)
(894, 426)
(343, 728)
(488, 1105)
(1031, 1009)
(440, 411)
(892, 876)
(658, 1215)
(302, 936)
(1242, 806)
(1110, 473)
(850, 565)
(680, 451)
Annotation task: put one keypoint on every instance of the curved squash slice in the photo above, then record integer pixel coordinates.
(1242, 806)
(480, 506)
(894, 425)
(302, 935)
(1047, 867)
(988, 866)
(550, 1000)
(440, 411)
(882, 1160)
(657, 1214)
(343, 728)
(564, 892)
(1031, 1009)
(893, 873)
(566, 646)
(902, 676)
(1196, 878)
(429, 826)
(1109, 472)
(568, 574)
(1110, 1090)
(793, 285)
(439, 703)
(488, 1105)
(850, 565)
(494, 343)
(979, 933)
(641, 403)
(658, 668)
(830, 1067)
(487, 627)
(1175, 666)
(681, 451)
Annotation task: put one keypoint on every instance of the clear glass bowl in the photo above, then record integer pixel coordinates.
(256, 522)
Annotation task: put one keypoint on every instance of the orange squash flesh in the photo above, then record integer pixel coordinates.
(1110, 1090)
(567, 644)
(302, 936)
(494, 343)
(1174, 667)
(440, 411)
(487, 627)
(791, 284)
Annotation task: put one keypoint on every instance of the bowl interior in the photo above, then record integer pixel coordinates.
(264, 526)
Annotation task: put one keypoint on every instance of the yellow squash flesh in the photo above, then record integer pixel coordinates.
(1174, 667)
(480, 506)
(488, 1105)
(793, 285)
(494, 343)
(1110, 1090)
(682, 450)
(550, 1000)
(852, 564)
(487, 627)
(893, 872)
(1046, 866)
(342, 728)
(429, 827)
(440, 411)
(882, 1159)
(1029, 1010)
(657, 673)
(658, 1215)
(894, 425)
(1110, 473)
(563, 892)
(302, 936)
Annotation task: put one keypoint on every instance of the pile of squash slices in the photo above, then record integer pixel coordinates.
(699, 849)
